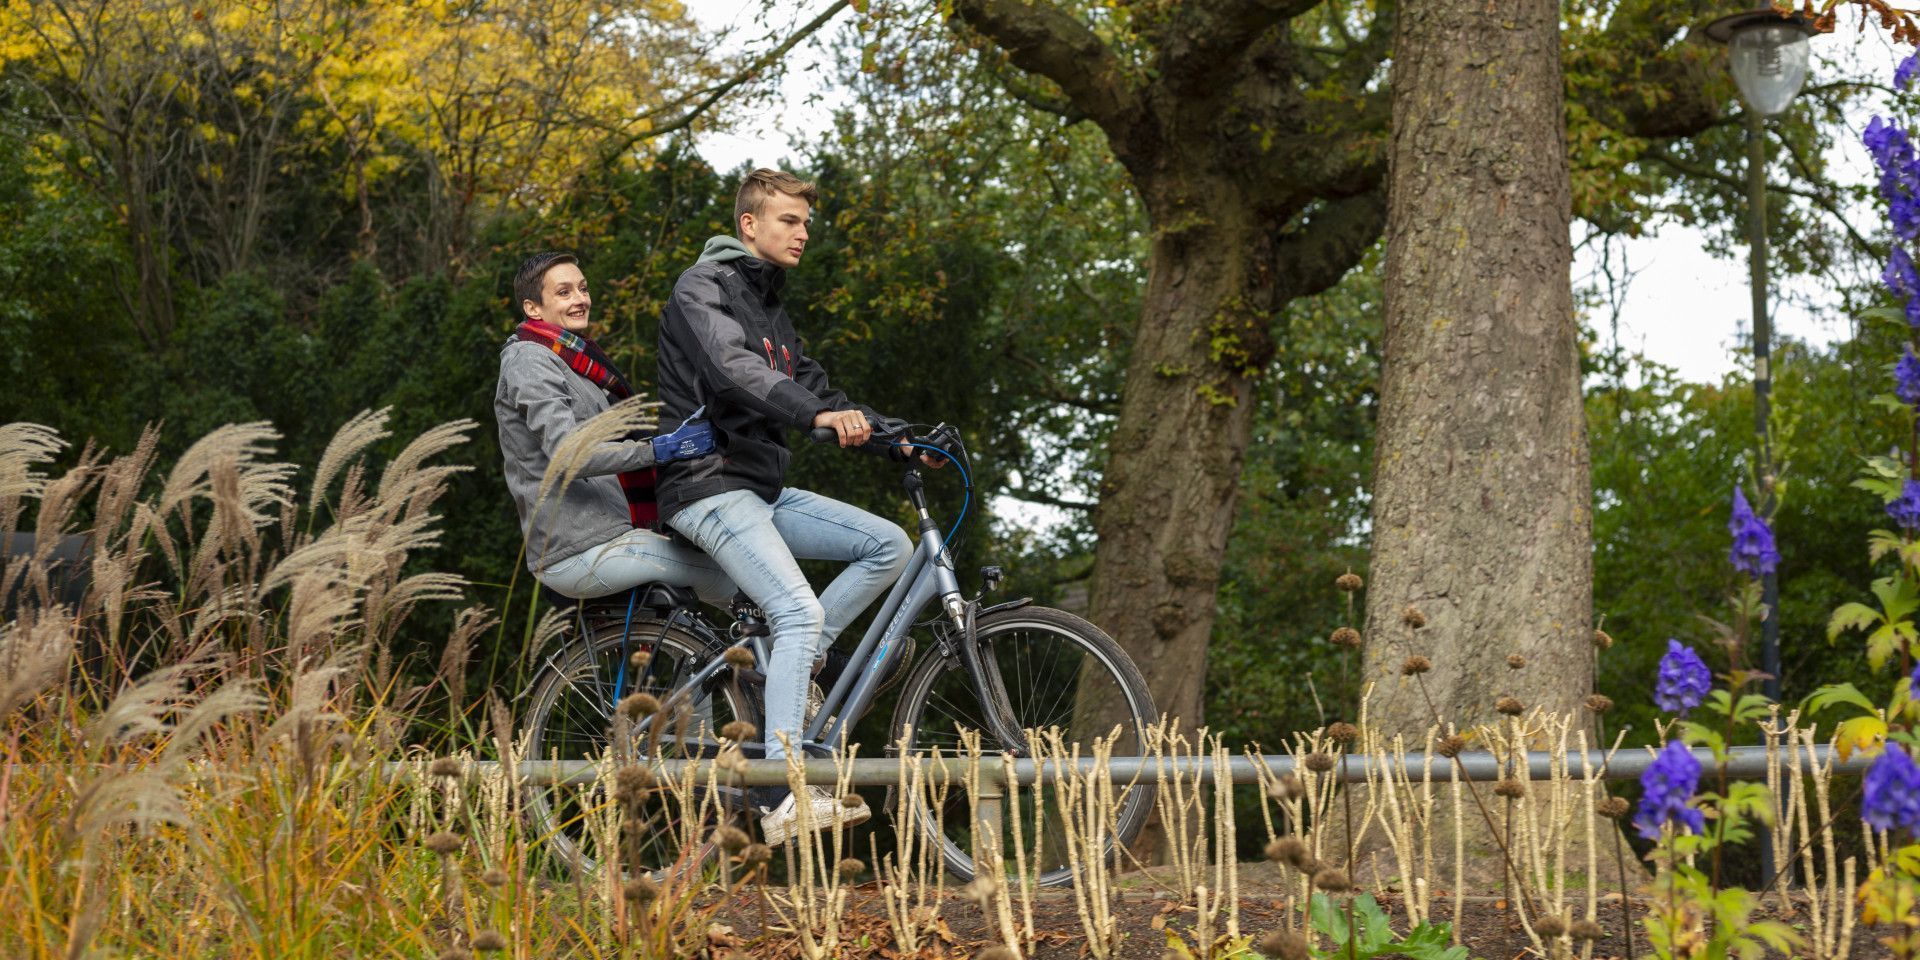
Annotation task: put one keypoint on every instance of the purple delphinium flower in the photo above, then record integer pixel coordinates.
(1900, 275)
(1753, 551)
(1666, 787)
(1906, 377)
(1904, 73)
(1905, 508)
(1683, 680)
(1899, 175)
(1890, 797)
(1913, 687)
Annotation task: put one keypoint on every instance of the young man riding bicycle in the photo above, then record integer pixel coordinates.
(726, 344)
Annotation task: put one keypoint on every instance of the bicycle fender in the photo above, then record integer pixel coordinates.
(1007, 605)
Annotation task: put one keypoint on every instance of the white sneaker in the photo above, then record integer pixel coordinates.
(778, 825)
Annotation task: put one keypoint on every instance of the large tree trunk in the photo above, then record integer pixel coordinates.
(1481, 510)
(1167, 496)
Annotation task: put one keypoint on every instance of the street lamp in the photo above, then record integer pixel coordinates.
(1767, 51)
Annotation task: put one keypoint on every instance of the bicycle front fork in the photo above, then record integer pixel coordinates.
(983, 670)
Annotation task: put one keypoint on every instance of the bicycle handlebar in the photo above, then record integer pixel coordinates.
(941, 437)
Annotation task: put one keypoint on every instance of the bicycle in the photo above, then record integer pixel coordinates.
(1001, 669)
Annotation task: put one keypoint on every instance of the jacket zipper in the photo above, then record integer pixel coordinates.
(789, 358)
(769, 345)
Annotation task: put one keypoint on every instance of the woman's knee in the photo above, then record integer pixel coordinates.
(891, 547)
(800, 618)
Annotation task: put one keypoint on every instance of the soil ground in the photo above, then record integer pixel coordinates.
(1488, 928)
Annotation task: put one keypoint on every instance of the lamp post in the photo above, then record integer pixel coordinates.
(1767, 51)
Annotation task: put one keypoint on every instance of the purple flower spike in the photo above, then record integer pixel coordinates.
(1900, 275)
(1906, 377)
(1913, 688)
(1683, 680)
(1666, 787)
(1890, 797)
(1753, 551)
(1905, 508)
(1904, 73)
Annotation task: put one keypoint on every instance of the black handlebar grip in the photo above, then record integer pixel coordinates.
(824, 435)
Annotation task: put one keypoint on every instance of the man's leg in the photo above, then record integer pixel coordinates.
(737, 530)
(822, 528)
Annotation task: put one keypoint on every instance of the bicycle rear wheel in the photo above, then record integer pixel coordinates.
(1058, 671)
(570, 716)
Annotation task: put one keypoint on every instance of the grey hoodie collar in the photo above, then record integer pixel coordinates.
(765, 277)
(723, 248)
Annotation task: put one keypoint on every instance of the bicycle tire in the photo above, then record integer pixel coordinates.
(565, 710)
(927, 708)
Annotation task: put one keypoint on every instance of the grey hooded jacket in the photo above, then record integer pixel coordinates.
(538, 401)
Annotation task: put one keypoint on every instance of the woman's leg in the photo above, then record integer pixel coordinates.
(634, 558)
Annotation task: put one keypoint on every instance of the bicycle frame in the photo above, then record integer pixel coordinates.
(929, 574)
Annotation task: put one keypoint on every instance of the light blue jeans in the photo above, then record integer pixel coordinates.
(633, 558)
(757, 543)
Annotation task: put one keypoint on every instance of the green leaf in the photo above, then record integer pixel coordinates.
(1835, 693)
(1428, 941)
(1377, 932)
(1328, 919)
(1850, 616)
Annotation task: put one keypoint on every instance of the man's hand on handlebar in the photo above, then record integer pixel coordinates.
(850, 426)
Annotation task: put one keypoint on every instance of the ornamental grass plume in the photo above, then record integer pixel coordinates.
(1683, 680)
(1890, 795)
(1905, 508)
(1753, 551)
(1668, 784)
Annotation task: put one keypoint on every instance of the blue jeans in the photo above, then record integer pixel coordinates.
(757, 544)
(633, 558)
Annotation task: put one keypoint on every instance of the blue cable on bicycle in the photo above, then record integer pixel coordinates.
(626, 631)
(964, 477)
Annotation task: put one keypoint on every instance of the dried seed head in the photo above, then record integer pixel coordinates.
(640, 659)
(639, 705)
(1412, 617)
(1602, 639)
(489, 941)
(1511, 706)
(1319, 762)
(1415, 665)
(981, 890)
(1286, 788)
(1345, 637)
(446, 767)
(1342, 732)
(1283, 945)
(1332, 880)
(1613, 808)
(738, 731)
(630, 784)
(996, 952)
(444, 843)
(494, 877)
(738, 657)
(641, 889)
(731, 839)
(1348, 582)
(852, 801)
(1450, 745)
(1510, 788)
(1587, 930)
(1291, 851)
(851, 867)
(1599, 702)
(757, 853)
(1515, 661)
(1550, 926)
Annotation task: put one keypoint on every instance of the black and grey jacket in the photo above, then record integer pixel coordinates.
(726, 344)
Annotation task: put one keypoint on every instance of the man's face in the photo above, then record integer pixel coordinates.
(563, 299)
(778, 233)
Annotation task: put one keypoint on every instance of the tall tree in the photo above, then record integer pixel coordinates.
(1482, 502)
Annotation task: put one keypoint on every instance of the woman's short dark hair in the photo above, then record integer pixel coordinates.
(533, 273)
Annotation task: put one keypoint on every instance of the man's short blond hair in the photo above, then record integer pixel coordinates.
(764, 183)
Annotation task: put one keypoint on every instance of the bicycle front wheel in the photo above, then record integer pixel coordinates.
(1058, 671)
(570, 717)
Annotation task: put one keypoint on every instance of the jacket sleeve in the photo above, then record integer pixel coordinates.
(696, 321)
(534, 384)
(813, 376)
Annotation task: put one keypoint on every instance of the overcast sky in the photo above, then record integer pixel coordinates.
(1682, 306)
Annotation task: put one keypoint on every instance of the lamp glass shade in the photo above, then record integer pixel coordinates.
(1769, 63)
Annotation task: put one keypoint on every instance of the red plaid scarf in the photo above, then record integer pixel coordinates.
(587, 359)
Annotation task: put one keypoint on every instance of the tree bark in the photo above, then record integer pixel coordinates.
(1481, 517)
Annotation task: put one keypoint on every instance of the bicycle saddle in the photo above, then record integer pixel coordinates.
(658, 598)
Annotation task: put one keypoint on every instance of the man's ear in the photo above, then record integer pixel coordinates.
(746, 225)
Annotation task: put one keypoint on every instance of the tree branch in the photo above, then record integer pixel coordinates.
(1031, 496)
(1205, 39)
(1052, 390)
(1824, 203)
(1043, 40)
(1310, 259)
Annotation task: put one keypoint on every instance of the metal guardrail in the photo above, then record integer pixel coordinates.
(1628, 763)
